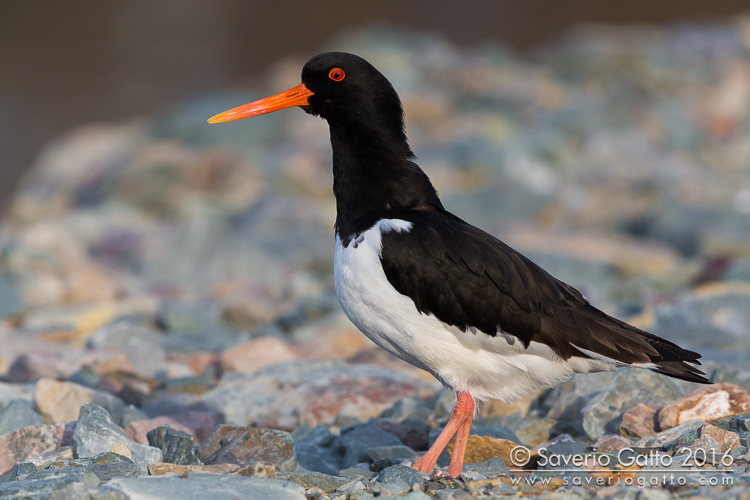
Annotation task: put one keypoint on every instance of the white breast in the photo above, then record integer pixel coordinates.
(488, 367)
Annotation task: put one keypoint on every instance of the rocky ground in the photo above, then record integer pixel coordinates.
(169, 325)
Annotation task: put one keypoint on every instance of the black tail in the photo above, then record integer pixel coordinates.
(676, 361)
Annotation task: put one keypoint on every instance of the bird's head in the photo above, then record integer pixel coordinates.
(339, 87)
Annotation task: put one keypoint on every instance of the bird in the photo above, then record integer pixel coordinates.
(434, 290)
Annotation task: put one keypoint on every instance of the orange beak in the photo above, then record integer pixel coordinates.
(287, 99)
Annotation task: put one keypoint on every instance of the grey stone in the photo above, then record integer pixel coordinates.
(177, 446)
(325, 482)
(399, 475)
(740, 423)
(96, 432)
(630, 386)
(11, 300)
(141, 344)
(197, 327)
(565, 402)
(248, 445)
(19, 472)
(324, 459)
(18, 414)
(10, 392)
(357, 473)
(356, 441)
(202, 486)
(396, 452)
(63, 485)
(686, 432)
(105, 466)
(489, 468)
(319, 435)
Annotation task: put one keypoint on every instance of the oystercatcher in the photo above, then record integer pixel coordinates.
(431, 288)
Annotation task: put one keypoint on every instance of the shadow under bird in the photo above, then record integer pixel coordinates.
(431, 288)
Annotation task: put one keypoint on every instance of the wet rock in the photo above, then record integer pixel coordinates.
(71, 484)
(169, 468)
(639, 421)
(603, 412)
(325, 482)
(357, 440)
(105, 466)
(201, 486)
(176, 446)
(60, 401)
(30, 442)
(248, 445)
(251, 356)
(96, 432)
(710, 403)
(310, 392)
(18, 414)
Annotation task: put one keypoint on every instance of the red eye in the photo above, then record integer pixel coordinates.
(336, 74)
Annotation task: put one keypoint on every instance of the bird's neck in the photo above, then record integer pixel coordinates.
(374, 177)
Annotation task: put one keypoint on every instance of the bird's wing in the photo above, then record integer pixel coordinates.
(468, 278)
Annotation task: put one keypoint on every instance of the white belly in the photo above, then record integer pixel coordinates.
(487, 367)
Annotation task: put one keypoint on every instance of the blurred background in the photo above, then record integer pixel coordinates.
(68, 63)
(179, 272)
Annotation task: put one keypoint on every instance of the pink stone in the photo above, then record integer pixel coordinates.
(256, 354)
(29, 442)
(710, 403)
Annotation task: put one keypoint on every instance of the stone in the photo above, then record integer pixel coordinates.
(198, 424)
(565, 402)
(395, 452)
(247, 445)
(324, 459)
(69, 484)
(710, 403)
(202, 486)
(357, 440)
(286, 395)
(669, 438)
(630, 386)
(60, 401)
(489, 468)
(105, 465)
(728, 440)
(400, 476)
(499, 431)
(141, 344)
(483, 448)
(530, 430)
(11, 299)
(320, 435)
(176, 446)
(409, 436)
(9, 392)
(258, 353)
(96, 432)
(327, 483)
(639, 421)
(29, 442)
(169, 468)
(18, 414)
(19, 472)
(256, 470)
(609, 442)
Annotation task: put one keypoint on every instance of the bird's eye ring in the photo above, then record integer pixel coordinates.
(336, 74)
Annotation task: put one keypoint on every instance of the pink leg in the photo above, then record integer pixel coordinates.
(463, 414)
